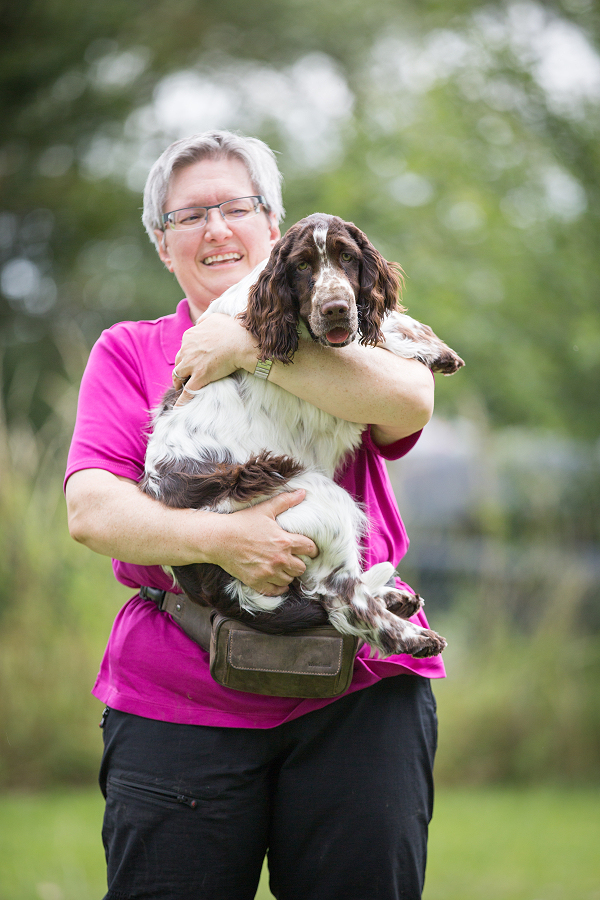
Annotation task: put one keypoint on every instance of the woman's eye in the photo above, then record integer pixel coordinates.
(346, 256)
(302, 266)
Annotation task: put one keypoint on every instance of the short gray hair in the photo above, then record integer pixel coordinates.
(257, 157)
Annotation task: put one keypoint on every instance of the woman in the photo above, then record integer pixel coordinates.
(201, 780)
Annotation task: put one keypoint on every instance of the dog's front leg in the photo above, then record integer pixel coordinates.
(406, 337)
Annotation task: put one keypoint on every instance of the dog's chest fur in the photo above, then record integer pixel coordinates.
(239, 416)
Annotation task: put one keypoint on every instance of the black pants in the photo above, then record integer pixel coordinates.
(340, 798)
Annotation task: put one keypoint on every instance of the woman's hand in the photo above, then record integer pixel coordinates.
(251, 546)
(213, 348)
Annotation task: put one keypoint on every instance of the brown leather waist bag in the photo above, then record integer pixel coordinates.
(315, 663)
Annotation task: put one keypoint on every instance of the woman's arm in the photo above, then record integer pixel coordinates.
(111, 516)
(356, 383)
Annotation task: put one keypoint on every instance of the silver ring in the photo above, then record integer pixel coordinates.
(177, 375)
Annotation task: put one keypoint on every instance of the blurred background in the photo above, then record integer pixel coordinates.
(463, 137)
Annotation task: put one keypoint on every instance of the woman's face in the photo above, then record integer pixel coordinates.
(206, 261)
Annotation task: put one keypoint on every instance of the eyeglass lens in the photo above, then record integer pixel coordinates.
(197, 216)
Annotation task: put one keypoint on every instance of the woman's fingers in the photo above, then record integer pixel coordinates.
(301, 545)
(208, 353)
(254, 548)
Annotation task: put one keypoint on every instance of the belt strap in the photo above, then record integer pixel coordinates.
(192, 618)
(195, 620)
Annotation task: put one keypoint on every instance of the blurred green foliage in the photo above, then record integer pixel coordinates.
(462, 137)
(57, 602)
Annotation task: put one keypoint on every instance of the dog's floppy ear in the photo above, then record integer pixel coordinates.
(380, 283)
(272, 311)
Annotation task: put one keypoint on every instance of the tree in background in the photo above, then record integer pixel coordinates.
(463, 137)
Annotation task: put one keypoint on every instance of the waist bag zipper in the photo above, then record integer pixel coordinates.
(159, 792)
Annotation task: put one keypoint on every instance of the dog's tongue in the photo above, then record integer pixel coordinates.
(337, 335)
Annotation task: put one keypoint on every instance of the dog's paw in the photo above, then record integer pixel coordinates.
(429, 643)
(402, 603)
(410, 639)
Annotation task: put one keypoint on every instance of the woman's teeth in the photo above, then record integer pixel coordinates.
(220, 257)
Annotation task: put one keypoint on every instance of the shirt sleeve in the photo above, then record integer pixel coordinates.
(113, 415)
(390, 451)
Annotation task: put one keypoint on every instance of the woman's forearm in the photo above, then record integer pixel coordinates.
(356, 383)
(361, 384)
(111, 516)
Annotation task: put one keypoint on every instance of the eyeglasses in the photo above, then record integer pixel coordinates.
(197, 216)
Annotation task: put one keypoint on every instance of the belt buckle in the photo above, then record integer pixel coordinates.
(156, 595)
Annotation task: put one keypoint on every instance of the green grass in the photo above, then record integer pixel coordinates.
(486, 844)
(50, 847)
(515, 844)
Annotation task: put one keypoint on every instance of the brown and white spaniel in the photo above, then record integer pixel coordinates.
(242, 439)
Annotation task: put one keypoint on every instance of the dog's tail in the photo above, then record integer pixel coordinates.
(202, 486)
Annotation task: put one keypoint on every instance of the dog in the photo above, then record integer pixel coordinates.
(242, 439)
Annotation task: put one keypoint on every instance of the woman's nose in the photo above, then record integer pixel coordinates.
(216, 226)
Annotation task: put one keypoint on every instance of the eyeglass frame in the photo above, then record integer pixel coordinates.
(257, 197)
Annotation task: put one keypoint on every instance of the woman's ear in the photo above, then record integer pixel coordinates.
(161, 237)
(274, 232)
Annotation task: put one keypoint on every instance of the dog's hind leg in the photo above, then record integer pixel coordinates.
(356, 603)
(221, 485)
(402, 603)
(354, 609)
(379, 580)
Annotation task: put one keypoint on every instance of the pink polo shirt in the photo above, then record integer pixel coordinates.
(150, 667)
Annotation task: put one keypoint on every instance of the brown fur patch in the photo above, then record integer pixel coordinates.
(206, 484)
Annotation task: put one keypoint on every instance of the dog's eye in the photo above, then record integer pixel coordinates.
(346, 257)
(302, 266)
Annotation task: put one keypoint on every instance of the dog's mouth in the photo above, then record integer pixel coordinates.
(337, 336)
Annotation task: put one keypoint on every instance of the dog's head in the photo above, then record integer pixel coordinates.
(326, 272)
